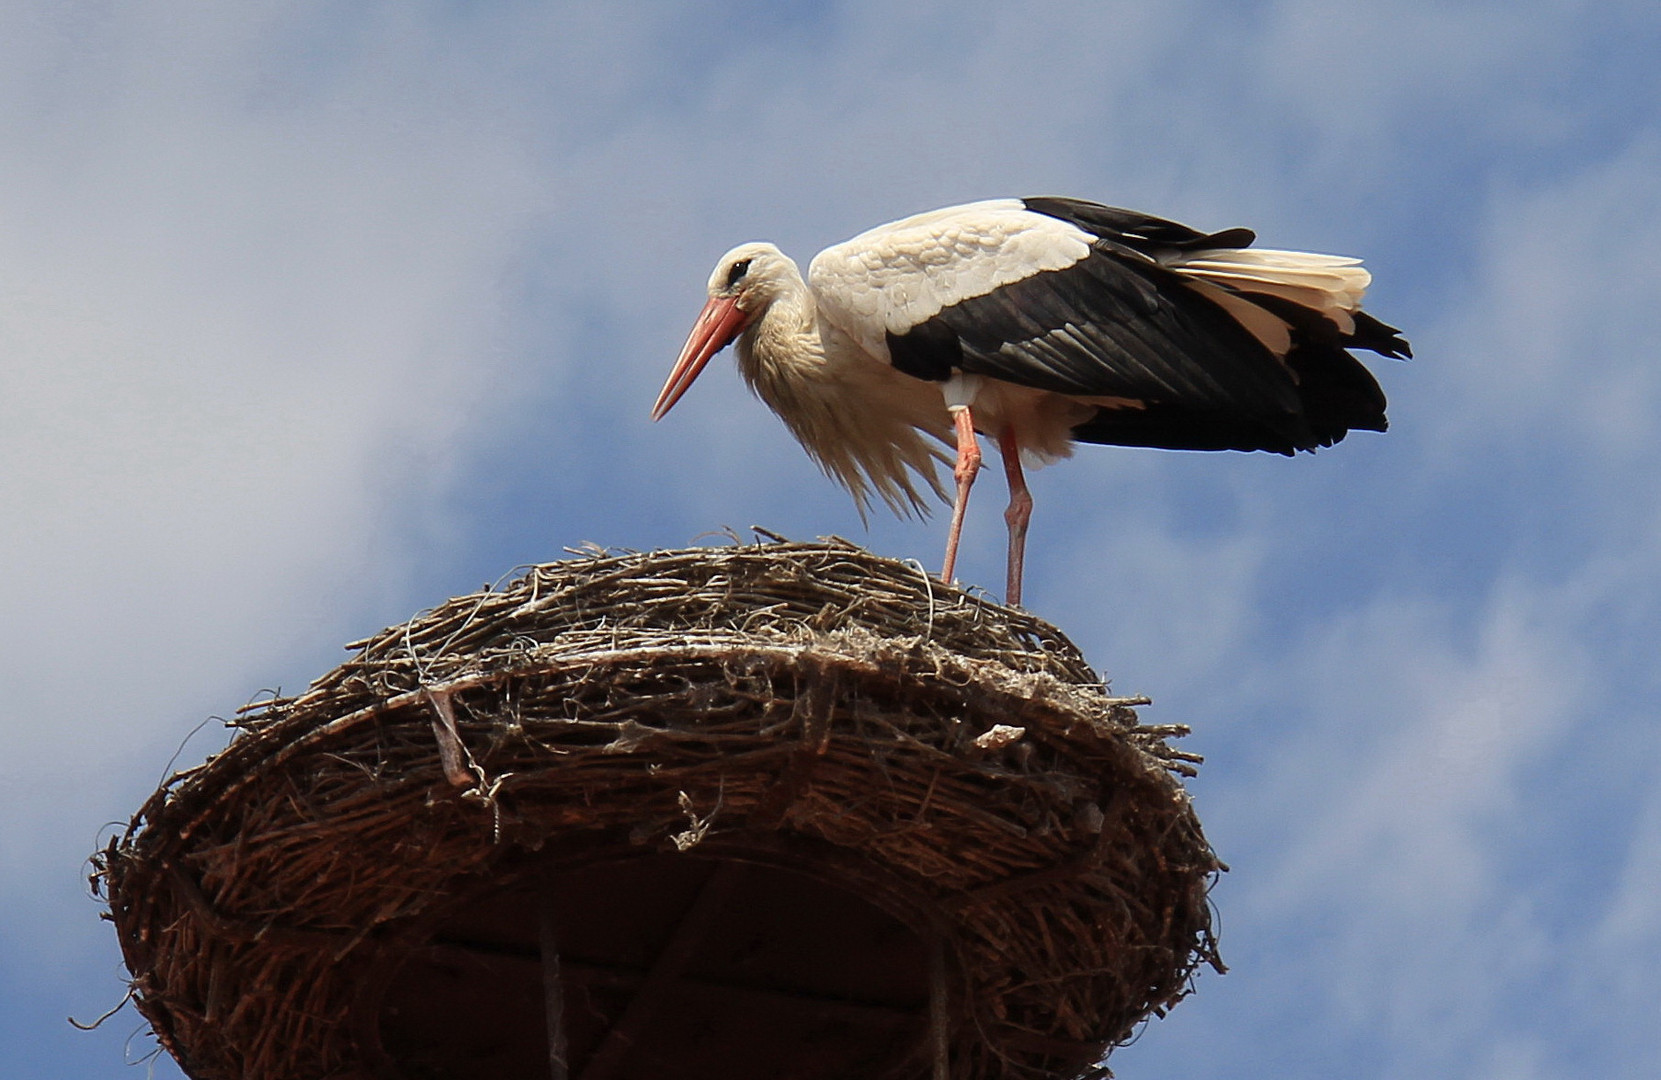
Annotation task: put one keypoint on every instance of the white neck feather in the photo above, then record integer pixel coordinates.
(829, 405)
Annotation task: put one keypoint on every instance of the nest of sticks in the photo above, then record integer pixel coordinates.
(952, 758)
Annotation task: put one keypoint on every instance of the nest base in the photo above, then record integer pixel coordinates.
(906, 826)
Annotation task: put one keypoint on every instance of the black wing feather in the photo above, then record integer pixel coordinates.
(1119, 324)
(1110, 325)
(1140, 232)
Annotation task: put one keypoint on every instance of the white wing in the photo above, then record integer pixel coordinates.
(897, 276)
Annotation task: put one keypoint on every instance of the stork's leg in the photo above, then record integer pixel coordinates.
(1016, 516)
(968, 464)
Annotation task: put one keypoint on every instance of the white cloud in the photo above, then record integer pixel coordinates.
(1554, 344)
(239, 339)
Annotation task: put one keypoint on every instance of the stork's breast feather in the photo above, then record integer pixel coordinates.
(895, 277)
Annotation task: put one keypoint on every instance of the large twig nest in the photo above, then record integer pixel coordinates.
(899, 828)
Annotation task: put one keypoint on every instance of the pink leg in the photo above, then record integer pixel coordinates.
(968, 464)
(1017, 516)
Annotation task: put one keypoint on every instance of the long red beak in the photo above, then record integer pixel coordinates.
(719, 322)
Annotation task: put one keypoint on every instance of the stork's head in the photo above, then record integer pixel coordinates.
(745, 283)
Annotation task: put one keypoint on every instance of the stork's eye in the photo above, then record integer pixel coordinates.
(736, 274)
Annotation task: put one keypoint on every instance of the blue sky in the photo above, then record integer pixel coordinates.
(314, 314)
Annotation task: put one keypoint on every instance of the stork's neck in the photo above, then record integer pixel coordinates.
(854, 415)
(781, 347)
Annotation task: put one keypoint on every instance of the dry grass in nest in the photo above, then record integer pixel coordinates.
(677, 700)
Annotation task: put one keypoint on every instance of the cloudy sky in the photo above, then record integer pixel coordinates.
(314, 314)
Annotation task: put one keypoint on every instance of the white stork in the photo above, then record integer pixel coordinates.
(1039, 323)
